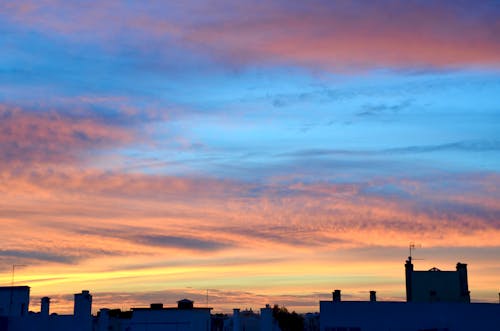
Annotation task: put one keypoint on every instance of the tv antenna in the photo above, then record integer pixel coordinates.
(12, 285)
(412, 247)
(14, 266)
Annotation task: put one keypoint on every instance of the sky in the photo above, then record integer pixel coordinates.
(258, 151)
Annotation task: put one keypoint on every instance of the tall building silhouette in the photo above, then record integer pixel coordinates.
(435, 285)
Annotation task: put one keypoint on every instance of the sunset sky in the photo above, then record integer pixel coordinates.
(265, 151)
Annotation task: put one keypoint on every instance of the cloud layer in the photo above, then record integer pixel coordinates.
(320, 34)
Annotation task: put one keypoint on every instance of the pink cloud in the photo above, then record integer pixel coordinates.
(320, 34)
(349, 34)
(50, 136)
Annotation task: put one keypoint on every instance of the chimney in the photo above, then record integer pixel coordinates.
(463, 282)
(156, 306)
(336, 296)
(45, 306)
(373, 296)
(408, 278)
(236, 320)
(185, 304)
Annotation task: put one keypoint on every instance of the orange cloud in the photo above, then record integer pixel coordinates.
(158, 212)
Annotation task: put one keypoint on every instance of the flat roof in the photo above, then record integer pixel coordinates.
(173, 308)
(9, 288)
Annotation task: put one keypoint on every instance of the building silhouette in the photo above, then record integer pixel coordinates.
(436, 301)
(436, 285)
(14, 314)
(14, 301)
(183, 317)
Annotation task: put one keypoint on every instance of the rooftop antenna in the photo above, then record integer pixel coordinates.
(14, 270)
(412, 247)
(207, 297)
(12, 285)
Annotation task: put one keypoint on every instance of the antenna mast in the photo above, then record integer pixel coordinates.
(412, 247)
(13, 271)
(12, 285)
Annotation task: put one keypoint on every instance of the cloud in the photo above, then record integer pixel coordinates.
(293, 212)
(153, 238)
(290, 235)
(356, 34)
(180, 242)
(382, 109)
(52, 137)
(462, 146)
(467, 146)
(319, 34)
(43, 254)
(30, 255)
(75, 181)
